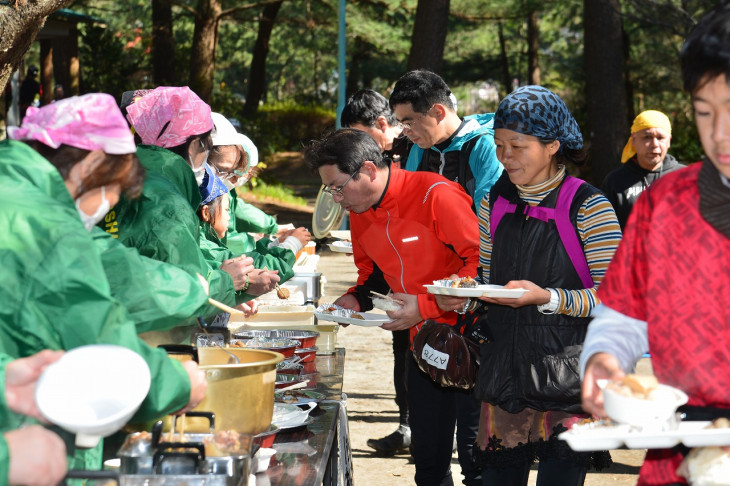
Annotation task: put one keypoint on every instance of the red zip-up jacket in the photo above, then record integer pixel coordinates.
(423, 229)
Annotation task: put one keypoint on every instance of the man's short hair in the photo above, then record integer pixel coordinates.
(706, 51)
(422, 89)
(364, 107)
(347, 149)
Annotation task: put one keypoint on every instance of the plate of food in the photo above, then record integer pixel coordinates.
(336, 313)
(460, 287)
(341, 246)
(298, 397)
(606, 435)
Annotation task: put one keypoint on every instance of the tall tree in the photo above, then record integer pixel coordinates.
(605, 88)
(19, 25)
(163, 44)
(208, 15)
(533, 45)
(257, 78)
(202, 54)
(429, 35)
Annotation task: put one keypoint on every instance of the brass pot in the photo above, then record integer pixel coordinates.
(240, 395)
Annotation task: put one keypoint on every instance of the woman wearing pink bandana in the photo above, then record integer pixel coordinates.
(75, 159)
(173, 125)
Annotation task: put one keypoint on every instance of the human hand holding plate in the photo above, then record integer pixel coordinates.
(406, 317)
(533, 295)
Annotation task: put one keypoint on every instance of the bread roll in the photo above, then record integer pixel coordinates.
(640, 385)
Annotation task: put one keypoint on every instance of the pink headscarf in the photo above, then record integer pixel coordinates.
(92, 122)
(168, 116)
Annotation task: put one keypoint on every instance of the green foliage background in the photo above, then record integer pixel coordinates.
(301, 69)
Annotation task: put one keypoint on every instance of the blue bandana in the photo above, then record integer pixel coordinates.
(537, 111)
(212, 186)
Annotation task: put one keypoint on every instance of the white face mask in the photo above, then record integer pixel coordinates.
(228, 184)
(200, 173)
(91, 220)
(241, 181)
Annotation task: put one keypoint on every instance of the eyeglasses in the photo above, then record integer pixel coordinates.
(408, 126)
(228, 175)
(337, 191)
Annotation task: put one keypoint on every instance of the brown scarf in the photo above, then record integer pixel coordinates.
(714, 198)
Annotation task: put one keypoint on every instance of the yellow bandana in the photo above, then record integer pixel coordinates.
(645, 119)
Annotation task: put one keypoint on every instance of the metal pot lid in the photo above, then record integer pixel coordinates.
(327, 216)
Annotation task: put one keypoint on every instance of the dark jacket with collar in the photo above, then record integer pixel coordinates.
(624, 185)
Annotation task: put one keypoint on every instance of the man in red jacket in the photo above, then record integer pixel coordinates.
(416, 227)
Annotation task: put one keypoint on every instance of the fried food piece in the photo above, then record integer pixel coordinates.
(355, 315)
(282, 292)
(467, 282)
(640, 385)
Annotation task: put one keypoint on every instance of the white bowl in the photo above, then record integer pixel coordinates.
(93, 391)
(646, 413)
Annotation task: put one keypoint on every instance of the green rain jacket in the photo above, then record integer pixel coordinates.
(163, 225)
(157, 295)
(4, 452)
(274, 258)
(245, 219)
(55, 294)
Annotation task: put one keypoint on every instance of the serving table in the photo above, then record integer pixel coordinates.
(320, 452)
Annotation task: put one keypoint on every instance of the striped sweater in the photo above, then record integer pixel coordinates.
(598, 229)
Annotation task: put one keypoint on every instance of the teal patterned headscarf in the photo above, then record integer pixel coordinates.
(537, 111)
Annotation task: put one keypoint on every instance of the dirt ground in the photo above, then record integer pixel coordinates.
(368, 380)
(371, 406)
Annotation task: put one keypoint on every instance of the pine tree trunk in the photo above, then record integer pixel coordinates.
(504, 61)
(605, 88)
(163, 44)
(533, 45)
(257, 77)
(202, 53)
(429, 35)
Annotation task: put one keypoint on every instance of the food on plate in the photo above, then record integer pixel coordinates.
(464, 283)
(707, 466)
(387, 304)
(330, 309)
(355, 315)
(637, 386)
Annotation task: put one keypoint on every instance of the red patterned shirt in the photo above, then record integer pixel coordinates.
(672, 270)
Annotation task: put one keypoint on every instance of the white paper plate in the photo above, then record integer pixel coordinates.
(691, 434)
(494, 291)
(370, 319)
(341, 246)
(477, 291)
(289, 416)
(499, 292)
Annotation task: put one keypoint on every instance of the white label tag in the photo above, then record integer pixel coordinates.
(436, 358)
(409, 239)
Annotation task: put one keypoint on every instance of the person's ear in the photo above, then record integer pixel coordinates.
(369, 169)
(553, 147)
(381, 123)
(82, 170)
(438, 111)
(205, 213)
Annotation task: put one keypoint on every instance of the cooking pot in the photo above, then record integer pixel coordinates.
(241, 395)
